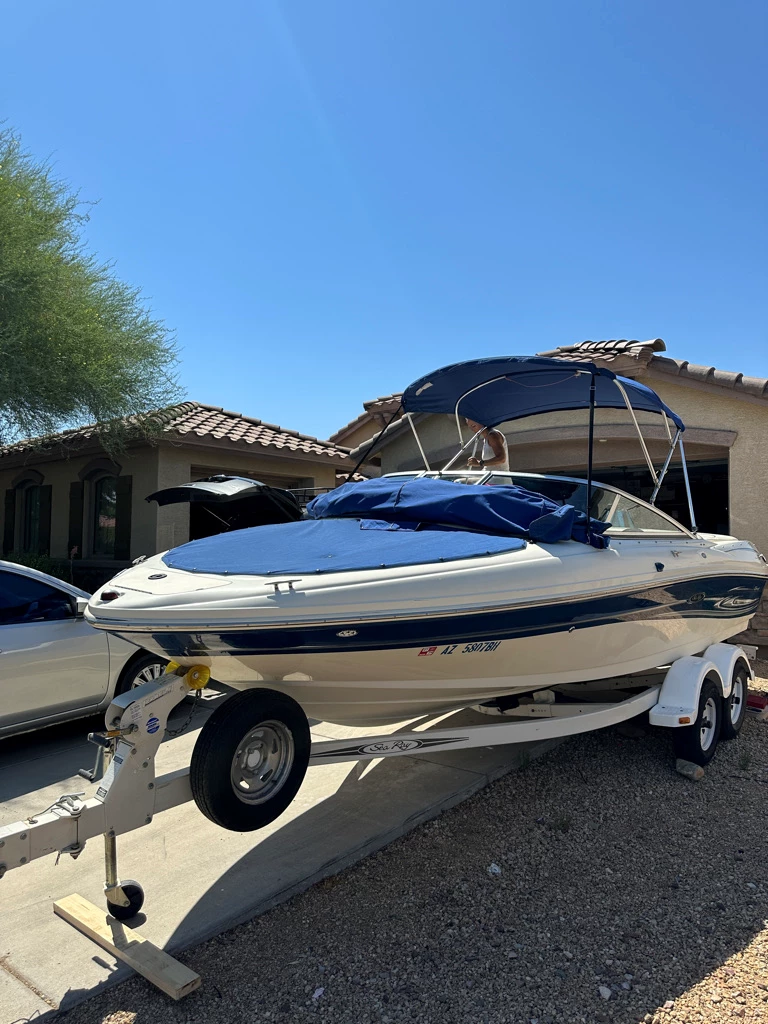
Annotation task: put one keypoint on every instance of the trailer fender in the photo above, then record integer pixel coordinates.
(678, 703)
(726, 657)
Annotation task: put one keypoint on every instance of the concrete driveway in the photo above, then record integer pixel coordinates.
(200, 879)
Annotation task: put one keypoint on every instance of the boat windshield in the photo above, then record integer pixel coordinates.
(625, 513)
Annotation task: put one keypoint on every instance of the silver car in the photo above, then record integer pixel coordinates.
(53, 665)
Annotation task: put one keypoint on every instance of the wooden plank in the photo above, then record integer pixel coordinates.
(127, 945)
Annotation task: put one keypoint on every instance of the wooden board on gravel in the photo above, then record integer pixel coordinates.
(127, 945)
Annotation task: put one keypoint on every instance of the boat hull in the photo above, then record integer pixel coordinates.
(368, 672)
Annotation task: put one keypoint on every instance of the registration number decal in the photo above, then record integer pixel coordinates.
(483, 647)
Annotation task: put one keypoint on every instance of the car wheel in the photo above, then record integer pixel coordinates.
(145, 669)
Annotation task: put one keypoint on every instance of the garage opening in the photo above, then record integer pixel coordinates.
(709, 491)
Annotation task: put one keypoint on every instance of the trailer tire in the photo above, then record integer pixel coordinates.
(250, 759)
(698, 742)
(735, 705)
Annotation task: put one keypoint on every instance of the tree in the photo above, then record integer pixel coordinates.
(76, 344)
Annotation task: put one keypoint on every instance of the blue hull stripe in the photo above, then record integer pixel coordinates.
(722, 597)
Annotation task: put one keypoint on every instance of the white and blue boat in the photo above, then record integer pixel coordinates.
(422, 592)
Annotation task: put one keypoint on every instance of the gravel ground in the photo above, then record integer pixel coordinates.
(594, 885)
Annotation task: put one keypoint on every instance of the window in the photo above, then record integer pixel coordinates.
(625, 514)
(31, 505)
(634, 517)
(104, 516)
(23, 599)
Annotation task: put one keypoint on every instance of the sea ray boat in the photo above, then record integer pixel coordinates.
(418, 593)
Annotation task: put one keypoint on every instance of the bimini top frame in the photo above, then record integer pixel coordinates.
(492, 391)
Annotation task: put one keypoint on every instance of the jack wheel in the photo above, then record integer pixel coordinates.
(135, 895)
(250, 759)
(698, 742)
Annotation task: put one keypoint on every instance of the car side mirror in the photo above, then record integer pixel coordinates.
(81, 603)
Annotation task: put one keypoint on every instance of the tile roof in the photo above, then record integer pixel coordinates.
(385, 405)
(628, 355)
(190, 420)
(609, 351)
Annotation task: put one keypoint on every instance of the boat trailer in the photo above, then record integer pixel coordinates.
(703, 698)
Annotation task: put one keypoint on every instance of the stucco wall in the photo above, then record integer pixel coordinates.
(179, 465)
(140, 464)
(157, 529)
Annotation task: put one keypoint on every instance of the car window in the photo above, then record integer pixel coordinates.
(23, 599)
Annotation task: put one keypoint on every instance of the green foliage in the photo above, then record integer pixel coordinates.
(76, 344)
(57, 567)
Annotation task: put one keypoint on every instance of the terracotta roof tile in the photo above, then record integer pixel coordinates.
(203, 421)
(384, 403)
(646, 353)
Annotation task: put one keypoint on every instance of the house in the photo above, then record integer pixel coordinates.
(67, 498)
(726, 440)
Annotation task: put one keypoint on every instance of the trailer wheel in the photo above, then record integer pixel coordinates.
(135, 895)
(735, 705)
(250, 759)
(698, 742)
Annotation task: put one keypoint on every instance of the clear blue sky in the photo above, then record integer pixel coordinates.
(327, 198)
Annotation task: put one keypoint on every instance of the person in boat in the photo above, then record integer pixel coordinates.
(494, 450)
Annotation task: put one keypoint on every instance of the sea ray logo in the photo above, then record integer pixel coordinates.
(388, 746)
(347, 632)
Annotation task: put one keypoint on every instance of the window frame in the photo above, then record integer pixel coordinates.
(485, 475)
(62, 592)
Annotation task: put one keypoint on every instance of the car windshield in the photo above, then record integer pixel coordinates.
(624, 513)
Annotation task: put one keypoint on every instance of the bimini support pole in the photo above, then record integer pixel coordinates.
(589, 457)
(628, 404)
(461, 450)
(687, 487)
(366, 454)
(664, 468)
(409, 417)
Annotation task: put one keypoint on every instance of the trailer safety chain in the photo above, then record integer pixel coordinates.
(170, 733)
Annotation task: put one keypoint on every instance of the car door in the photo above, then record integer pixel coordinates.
(51, 661)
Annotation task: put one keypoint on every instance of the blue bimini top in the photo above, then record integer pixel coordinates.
(388, 523)
(491, 391)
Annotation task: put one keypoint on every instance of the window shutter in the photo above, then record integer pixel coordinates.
(75, 519)
(9, 528)
(123, 518)
(44, 534)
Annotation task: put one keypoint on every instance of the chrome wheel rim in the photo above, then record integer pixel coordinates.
(708, 723)
(148, 674)
(736, 699)
(262, 762)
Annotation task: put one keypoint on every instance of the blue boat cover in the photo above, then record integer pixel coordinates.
(390, 522)
(430, 501)
(330, 545)
(491, 391)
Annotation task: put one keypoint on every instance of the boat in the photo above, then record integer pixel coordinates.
(418, 593)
